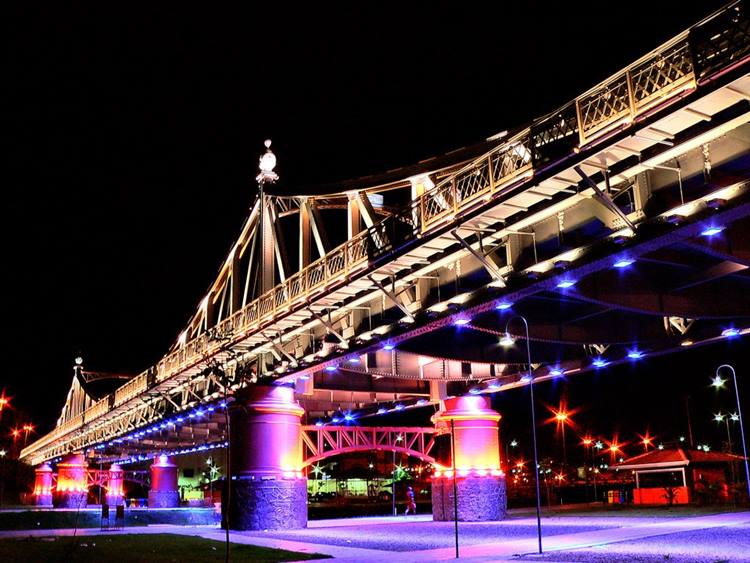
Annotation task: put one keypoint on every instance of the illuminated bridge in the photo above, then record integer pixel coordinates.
(618, 225)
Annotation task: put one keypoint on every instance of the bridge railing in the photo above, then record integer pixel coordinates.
(694, 57)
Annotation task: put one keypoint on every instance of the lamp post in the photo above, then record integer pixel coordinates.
(2, 478)
(718, 382)
(530, 377)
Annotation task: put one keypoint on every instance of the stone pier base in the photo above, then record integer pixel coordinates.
(268, 504)
(163, 499)
(71, 499)
(43, 500)
(480, 499)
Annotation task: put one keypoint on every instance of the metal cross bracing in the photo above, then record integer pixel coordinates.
(420, 247)
(320, 442)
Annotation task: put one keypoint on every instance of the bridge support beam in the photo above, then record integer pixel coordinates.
(71, 491)
(268, 488)
(480, 484)
(115, 481)
(164, 492)
(43, 485)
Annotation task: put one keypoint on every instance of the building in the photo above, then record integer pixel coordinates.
(681, 476)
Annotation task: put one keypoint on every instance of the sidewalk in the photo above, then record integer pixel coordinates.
(494, 551)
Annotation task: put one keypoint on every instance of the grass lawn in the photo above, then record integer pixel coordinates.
(134, 547)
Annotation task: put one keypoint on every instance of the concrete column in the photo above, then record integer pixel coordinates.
(72, 489)
(268, 488)
(43, 485)
(163, 493)
(480, 482)
(115, 481)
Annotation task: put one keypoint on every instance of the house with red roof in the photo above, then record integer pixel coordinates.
(680, 476)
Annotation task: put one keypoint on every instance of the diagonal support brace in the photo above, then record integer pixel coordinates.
(488, 265)
(392, 297)
(328, 326)
(603, 198)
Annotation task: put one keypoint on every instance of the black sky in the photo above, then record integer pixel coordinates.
(132, 141)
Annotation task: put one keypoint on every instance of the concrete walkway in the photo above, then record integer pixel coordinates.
(622, 530)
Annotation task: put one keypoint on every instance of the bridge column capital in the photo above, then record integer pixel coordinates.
(269, 490)
(71, 490)
(43, 485)
(480, 484)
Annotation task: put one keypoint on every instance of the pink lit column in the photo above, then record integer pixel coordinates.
(72, 489)
(115, 482)
(43, 485)
(163, 492)
(268, 489)
(480, 483)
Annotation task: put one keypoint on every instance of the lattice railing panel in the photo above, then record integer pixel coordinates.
(669, 70)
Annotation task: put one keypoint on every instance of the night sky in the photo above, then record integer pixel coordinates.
(132, 141)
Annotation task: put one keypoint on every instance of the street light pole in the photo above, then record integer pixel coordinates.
(533, 428)
(742, 427)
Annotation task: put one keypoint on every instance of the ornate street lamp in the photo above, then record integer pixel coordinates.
(719, 382)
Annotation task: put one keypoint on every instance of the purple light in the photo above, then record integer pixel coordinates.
(304, 377)
(711, 231)
(494, 386)
(180, 419)
(223, 404)
(388, 347)
(461, 321)
(623, 263)
(635, 354)
(565, 284)
(503, 306)
(199, 412)
(599, 363)
(556, 372)
(331, 368)
(526, 379)
(730, 332)
(354, 360)
(422, 402)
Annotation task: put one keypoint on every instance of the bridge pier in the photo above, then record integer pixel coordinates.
(480, 484)
(163, 492)
(268, 488)
(43, 485)
(115, 481)
(72, 490)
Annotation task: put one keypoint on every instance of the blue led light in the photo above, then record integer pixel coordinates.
(556, 372)
(494, 386)
(348, 417)
(304, 377)
(503, 306)
(388, 347)
(461, 321)
(564, 284)
(635, 354)
(199, 412)
(354, 360)
(335, 420)
(730, 332)
(382, 410)
(475, 390)
(399, 407)
(331, 368)
(711, 231)
(599, 362)
(623, 263)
